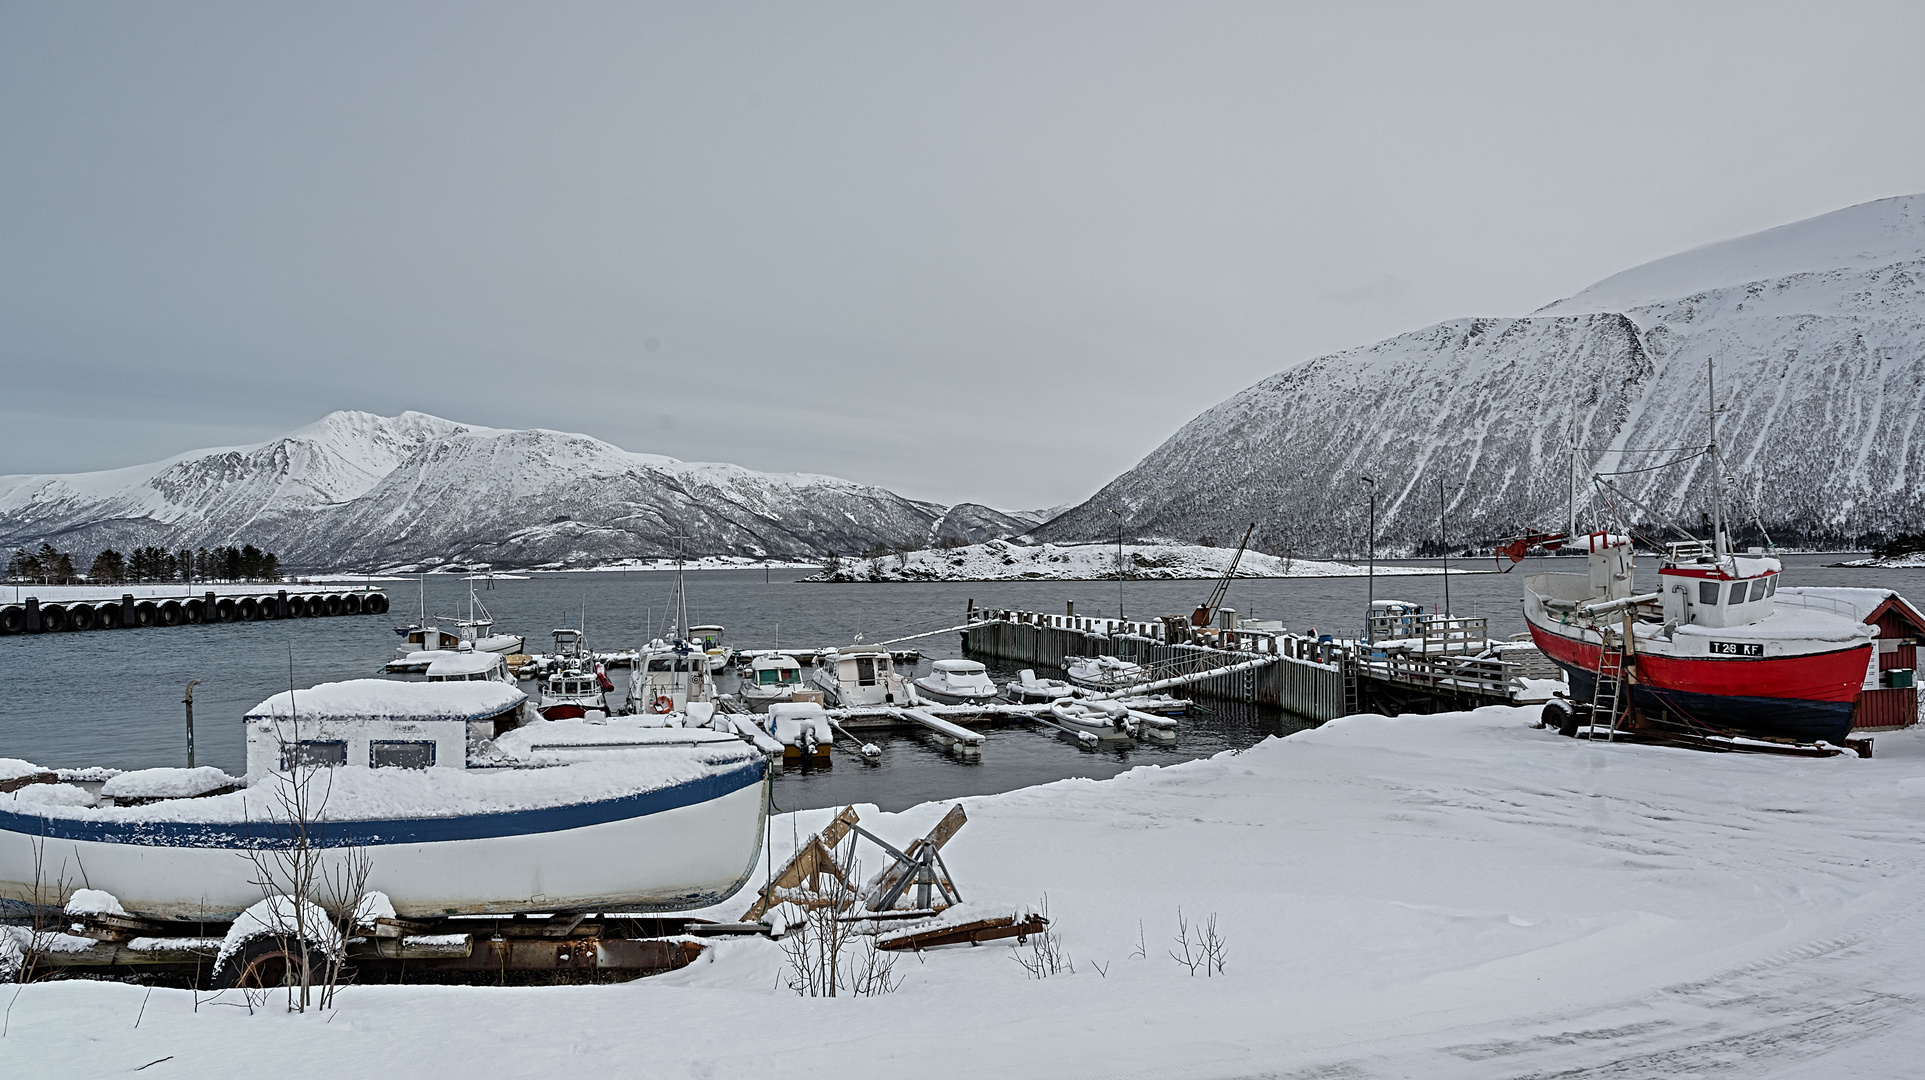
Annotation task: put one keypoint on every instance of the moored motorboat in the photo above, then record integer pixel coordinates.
(708, 638)
(572, 694)
(458, 807)
(957, 682)
(1028, 688)
(669, 679)
(1104, 719)
(773, 678)
(861, 675)
(1104, 673)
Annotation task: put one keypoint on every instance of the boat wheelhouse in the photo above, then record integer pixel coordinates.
(669, 678)
(573, 694)
(708, 639)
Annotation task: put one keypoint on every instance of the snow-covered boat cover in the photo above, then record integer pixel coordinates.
(381, 699)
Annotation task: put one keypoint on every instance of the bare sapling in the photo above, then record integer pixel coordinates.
(1043, 954)
(820, 944)
(23, 948)
(1199, 946)
(291, 869)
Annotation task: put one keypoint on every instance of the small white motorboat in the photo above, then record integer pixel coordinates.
(573, 694)
(957, 682)
(459, 807)
(1029, 688)
(426, 643)
(802, 727)
(773, 678)
(1104, 719)
(466, 665)
(708, 638)
(1105, 673)
(670, 679)
(860, 676)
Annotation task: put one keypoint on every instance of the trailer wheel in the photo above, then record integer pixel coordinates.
(268, 961)
(1568, 723)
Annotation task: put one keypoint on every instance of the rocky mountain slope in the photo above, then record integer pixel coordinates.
(362, 491)
(1817, 331)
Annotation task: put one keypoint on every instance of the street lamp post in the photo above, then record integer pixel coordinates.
(1119, 563)
(1370, 608)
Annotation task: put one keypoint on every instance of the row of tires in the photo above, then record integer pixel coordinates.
(115, 614)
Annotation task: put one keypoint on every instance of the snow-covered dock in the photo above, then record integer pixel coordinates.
(49, 609)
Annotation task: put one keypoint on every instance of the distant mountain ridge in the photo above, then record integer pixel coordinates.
(1818, 333)
(356, 490)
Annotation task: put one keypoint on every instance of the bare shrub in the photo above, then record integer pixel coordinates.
(1199, 947)
(820, 948)
(1044, 955)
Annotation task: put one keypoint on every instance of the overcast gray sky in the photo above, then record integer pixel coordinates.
(994, 252)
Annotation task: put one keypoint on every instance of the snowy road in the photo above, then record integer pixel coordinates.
(1450, 896)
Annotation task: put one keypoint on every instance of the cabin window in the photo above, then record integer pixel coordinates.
(1738, 592)
(313, 752)
(1757, 589)
(1771, 585)
(1708, 593)
(401, 755)
(768, 678)
(865, 671)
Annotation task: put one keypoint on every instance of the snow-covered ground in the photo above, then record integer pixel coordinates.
(1000, 560)
(1911, 561)
(1425, 896)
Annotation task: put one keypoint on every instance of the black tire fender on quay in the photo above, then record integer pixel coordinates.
(107, 616)
(53, 619)
(314, 606)
(146, 613)
(194, 612)
(351, 604)
(332, 605)
(376, 604)
(225, 610)
(249, 609)
(80, 617)
(13, 619)
(269, 607)
(169, 614)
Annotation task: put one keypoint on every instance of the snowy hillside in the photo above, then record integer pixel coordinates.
(1817, 330)
(361, 491)
(999, 560)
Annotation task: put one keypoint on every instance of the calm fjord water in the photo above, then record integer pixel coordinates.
(113, 698)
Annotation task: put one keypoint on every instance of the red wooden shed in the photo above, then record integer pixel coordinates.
(1890, 699)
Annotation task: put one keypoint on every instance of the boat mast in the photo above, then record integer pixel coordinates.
(1719, 544)
(1570, 479)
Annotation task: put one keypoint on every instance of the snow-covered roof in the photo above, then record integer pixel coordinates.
(381, 699)
(463, 663)
(958, 667)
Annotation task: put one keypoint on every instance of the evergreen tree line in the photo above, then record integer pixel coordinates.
(50, 566)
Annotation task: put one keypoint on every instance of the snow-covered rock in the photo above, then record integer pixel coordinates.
(413, 491)
(1817, 330)
(1000, 560)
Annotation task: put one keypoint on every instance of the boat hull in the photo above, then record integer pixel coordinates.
(1808, 697)
(671, 849)
(945, 697)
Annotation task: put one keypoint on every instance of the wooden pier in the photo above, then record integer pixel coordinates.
(1444, 664)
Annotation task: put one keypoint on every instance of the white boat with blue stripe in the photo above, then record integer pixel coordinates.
(461, 804)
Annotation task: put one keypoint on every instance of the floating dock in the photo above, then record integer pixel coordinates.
(52, 609)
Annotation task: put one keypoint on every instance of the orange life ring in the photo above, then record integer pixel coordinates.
(664, 703)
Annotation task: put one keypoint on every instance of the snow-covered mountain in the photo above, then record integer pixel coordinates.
(1817, 330)
(362, 491)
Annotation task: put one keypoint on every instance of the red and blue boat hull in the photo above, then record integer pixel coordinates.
(1807, 697)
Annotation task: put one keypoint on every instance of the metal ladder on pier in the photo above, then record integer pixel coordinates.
(1607, 696)
(1353, 698)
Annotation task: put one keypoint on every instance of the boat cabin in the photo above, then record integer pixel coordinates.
(467, 665)
(965, 677)
(430, 639)
(706, 637)
(775, 672)
(862, 676)
(379, 724)
(569, 642)
(669, 678)
(1699, 589)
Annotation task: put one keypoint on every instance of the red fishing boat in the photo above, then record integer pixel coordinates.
(1716, 646)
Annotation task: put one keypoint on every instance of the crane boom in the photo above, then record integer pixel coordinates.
(1206, 614)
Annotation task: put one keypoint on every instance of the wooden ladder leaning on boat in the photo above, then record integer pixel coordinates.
(1607, 696)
